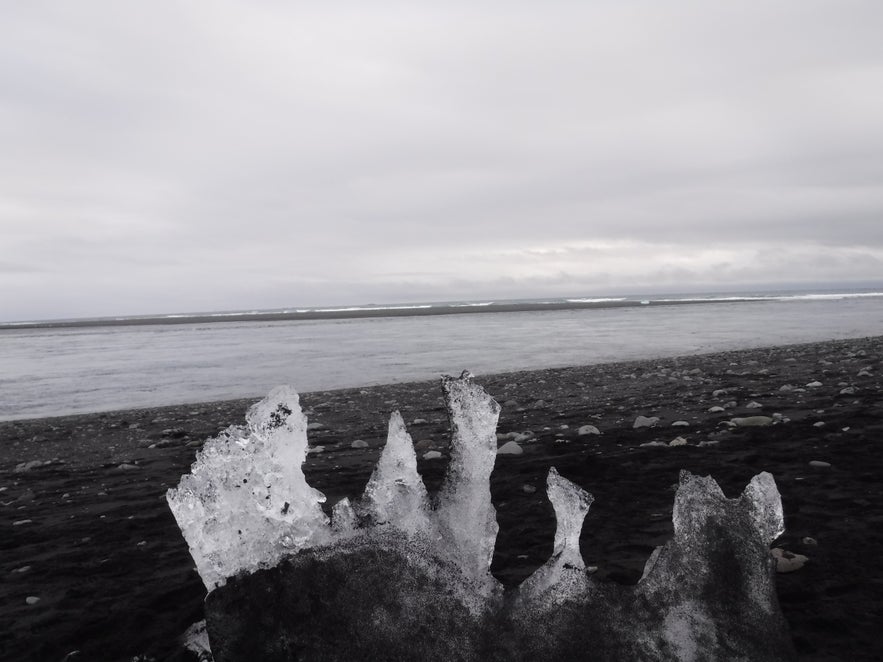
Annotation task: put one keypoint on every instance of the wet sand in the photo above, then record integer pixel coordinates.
(88, 531)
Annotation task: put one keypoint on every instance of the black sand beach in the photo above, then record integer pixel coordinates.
(88, 534)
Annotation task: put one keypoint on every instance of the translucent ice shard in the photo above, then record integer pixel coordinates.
(464, 513)
(395, 494)
(246, 502)
(564, 573)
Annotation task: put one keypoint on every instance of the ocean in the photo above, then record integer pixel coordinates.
(80, 366)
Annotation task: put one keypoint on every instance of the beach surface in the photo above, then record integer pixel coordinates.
(94, 567)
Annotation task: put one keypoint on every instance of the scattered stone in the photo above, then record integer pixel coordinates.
(849, 390)
(125, 466)
(432, 455)
(588, 429)
(645, 422)
(815, 384)
(32, 600)
(359, 443)
(788, 561)
(819, 424)
(716, 409)
(751, 421)
(680, 424)
(785, 388)
(754, 405)
(819, 464)
(709, 442)
(864, 373)
(719, 393)
(510, 448)
(651, 444)
(678, 441)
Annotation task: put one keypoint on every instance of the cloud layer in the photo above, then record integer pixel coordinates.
(219, 155)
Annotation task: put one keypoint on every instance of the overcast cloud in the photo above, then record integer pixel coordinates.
(166, 157)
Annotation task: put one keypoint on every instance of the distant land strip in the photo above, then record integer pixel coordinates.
(359, 312)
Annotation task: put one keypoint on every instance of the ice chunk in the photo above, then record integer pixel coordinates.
(464, 513)
(343, 517)
(246, 502)
(565, 570)
(395, 494)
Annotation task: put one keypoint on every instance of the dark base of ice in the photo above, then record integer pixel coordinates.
(375, 600)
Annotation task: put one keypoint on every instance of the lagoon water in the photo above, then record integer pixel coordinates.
(59, 371)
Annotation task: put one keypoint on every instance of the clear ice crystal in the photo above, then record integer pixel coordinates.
(565, 570)
(246, 502)
(395, 493)
(464, 513)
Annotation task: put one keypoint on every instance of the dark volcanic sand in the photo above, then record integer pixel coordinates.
(101, 551)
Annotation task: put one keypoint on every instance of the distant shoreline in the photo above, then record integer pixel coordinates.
(361, 313)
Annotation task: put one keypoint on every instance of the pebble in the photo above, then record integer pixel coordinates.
(651, 444)
(125, 466)
(751, 421)
(819, 424)
(709, 442)
(588, 429)
(680, 424)
(510, 448)
(815, 384)
(678, 441)
(716, 409)
(419, 421)
(645, 422)
(849, 390)
(432, 455)
(359, 443)
(820, 464)
(32, 600)
(788, 561)
(754, 405)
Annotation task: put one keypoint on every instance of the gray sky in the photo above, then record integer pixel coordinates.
(164, 157)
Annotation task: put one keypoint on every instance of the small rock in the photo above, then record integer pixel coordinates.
(754, 405)
(716, 409)
(751, 421)
(419, 421)
(864, 373)
(528, 489)
(125, 466)
(32, 600)
(849, 390)
(359, 443)
(651, 444)
(819, 464)
(24, 467)
(709, 442)
(432, 455)
(645, 422)
(819, 424)
(588, 429)
(678, 441)
(810, 542)
(719, 393)
(785, 388)
(510, 448)
(815, 384)
(787, 561)
(680, 424)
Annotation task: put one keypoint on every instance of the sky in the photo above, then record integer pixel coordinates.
(164, 157)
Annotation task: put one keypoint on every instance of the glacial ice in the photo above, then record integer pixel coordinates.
(395, 493)
(564, 574)
(395, 562)
(246, 502)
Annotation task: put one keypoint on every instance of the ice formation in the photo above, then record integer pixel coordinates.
(398, 575)
(247, 503)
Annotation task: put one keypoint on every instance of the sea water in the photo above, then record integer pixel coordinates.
(58, 371)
